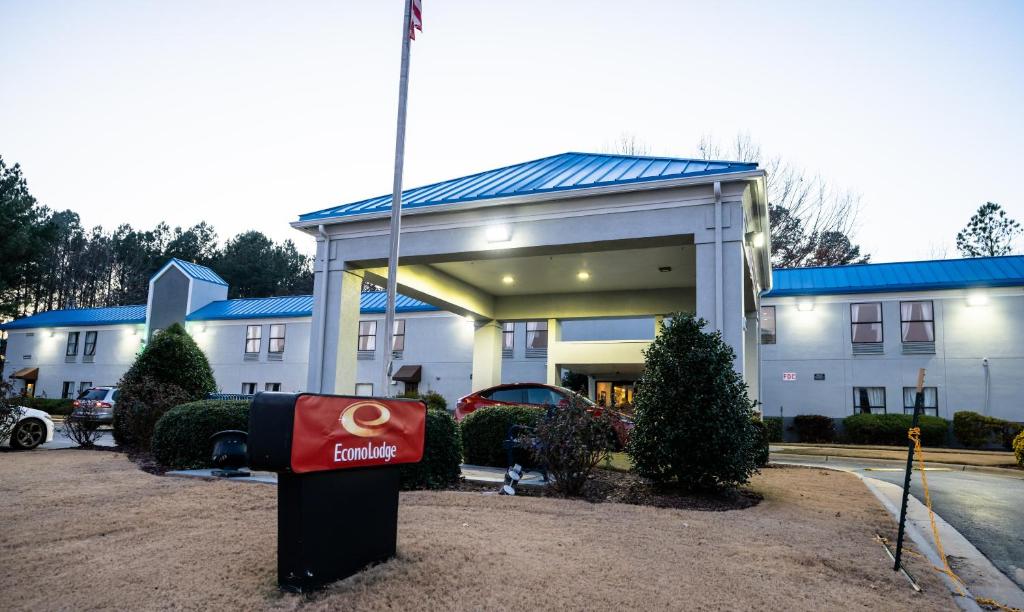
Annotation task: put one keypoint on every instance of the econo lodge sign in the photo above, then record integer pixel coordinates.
(334, 432)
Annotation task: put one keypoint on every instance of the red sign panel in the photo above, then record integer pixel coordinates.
(335, 433)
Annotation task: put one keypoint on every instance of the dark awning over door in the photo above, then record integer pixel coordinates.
(27, 374)
(408, 374)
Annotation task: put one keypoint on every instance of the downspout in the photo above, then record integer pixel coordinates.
(323, 307)
(719, 275)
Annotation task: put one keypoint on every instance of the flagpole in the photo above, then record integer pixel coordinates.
(396, 205)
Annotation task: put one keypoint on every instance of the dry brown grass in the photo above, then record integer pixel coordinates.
(91, 531)
(931, 455)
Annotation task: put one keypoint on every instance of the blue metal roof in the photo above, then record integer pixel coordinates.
(297, 306)
(195, 271)
(74, 317)
(900, 276)
(563, 172)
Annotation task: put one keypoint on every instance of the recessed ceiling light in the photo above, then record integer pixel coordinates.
(508, 279)
(583, 275)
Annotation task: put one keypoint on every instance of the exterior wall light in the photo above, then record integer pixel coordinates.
(498, 233)
(52, 333)
(977, 298)
(508, 279)
(583, 275)
(805, 305)
(758, 240)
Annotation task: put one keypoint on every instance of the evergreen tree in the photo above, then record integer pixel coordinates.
(990, 232)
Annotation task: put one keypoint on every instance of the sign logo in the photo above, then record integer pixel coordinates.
(353, 419)
(789, 376)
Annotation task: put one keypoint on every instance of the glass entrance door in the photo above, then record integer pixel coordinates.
(614, 394)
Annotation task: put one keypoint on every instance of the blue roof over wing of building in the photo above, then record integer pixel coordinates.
(558, 173)
(371, 302)
(193, 270)
(74, 317)
(939, 274)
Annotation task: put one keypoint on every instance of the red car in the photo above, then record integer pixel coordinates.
(536, 394)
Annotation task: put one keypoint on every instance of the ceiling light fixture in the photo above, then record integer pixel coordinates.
(498, 233)
(583, 275)
(508, 279)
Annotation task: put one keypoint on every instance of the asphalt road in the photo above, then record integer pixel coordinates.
(987, 508)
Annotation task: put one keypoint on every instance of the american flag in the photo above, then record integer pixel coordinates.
(416, 20)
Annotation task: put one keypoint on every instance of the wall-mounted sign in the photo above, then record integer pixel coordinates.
(789, 376)
(819, 376)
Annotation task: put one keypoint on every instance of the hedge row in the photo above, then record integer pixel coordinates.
(52, 406)
(975, 430)
(891, 429)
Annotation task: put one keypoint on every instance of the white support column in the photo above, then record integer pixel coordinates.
(486, 355)
(751, 373)
(332, 352)
(731, 323)
(554, 337)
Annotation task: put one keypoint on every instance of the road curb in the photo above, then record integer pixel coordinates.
(973, 565)
(959, 467)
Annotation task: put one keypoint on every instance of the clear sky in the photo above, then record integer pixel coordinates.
(247, 113)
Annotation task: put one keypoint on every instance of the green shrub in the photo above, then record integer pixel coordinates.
(56, 406)
(775, 428)
(762, 440)
(433, 399)
(814, 428)
(975, 430)
(693, 420)
(892, 429)
(442, 454)
(181, 438)
(1018, 448)
(171, 370)
(484, 430)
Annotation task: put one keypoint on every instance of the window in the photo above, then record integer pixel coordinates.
(869, 400)
(537, 334)
(84, 386)
(67, 389)
(931, 400)
(398, 339)
(364, 389)
(866, 322)
(767, 325)
(540, 395)
(72, 344)
(367, 335)
(253, 335)
(272, 387)
(508, 336)
(513, 396)
(276, 339)
(918, 321)
(90, 344)
(248, 388)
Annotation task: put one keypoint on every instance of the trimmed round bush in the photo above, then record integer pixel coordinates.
(433, 399)
(171, 370)
(693, 421)
(442, 454)
(814, 428)
(892, 429)
(762, 440)
(181, 438)
(485, 429)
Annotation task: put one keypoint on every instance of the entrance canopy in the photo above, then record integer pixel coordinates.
(27, 374)
(565, 237)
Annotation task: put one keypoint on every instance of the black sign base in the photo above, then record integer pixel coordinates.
(331, 525)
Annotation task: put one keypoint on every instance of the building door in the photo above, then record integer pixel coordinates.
(614, 394)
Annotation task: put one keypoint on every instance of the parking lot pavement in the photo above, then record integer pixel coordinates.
(60, 440)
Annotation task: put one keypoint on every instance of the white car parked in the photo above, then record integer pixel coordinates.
(34, 427)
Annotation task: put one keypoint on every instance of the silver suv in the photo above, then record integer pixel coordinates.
(96, 404)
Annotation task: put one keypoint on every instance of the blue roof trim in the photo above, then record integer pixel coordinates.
(193, 270)
(371, 302)
(929, 275)
(77, 317)
(558, 173)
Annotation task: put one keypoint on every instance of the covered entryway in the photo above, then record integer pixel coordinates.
(28, 376)
(574, 236)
